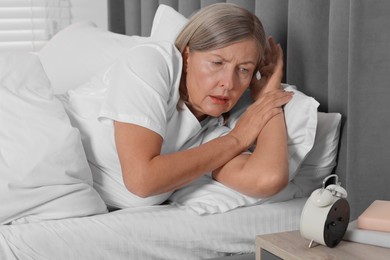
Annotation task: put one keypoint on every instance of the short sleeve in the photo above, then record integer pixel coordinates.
(143, 87)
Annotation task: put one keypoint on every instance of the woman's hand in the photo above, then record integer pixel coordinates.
(271, 70)
(268, 95)
(257, 115)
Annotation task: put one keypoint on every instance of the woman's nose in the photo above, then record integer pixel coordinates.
(227, 80)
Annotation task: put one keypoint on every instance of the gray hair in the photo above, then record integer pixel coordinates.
(217, 26)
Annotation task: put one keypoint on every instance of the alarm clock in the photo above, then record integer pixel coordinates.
(325, 216)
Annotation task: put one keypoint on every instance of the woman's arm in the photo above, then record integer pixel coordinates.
(146, 172)
(265, 172)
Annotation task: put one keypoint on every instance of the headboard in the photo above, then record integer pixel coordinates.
(336, 51)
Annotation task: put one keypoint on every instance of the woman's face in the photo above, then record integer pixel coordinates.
(216, 79)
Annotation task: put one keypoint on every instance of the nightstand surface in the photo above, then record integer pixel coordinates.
(291, 245)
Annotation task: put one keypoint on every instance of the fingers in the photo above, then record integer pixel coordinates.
(272, 44)
(259, 113)
(277, 56)
(266, 70)
(276, 50)
(279, 61)
(270, 49)
(269, 105)
(273, 55)
(271, 70)
(266, 107)
(275, 98)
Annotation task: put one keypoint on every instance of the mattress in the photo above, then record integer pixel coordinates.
(154, 232)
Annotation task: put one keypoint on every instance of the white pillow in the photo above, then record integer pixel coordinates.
(321, 160)
(74, 54)
(167, 24)
(206, 196)
(77, 52)
(82, 49)
(44, 171)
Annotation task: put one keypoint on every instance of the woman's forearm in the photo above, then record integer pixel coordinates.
(179, 169)
(154, 173)
(265, 171)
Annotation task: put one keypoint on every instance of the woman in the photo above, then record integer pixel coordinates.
(163, 99)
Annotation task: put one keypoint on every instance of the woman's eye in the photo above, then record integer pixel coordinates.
(243, 70)
(217, 63)
(243, 73)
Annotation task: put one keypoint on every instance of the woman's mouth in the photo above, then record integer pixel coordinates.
(220, 100)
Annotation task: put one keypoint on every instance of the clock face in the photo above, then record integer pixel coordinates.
(336, 222)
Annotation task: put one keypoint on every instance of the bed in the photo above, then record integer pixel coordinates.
(56, 212)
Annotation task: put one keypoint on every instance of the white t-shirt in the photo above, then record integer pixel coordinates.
(142, 88)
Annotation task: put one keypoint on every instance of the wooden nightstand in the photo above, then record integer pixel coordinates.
(290, 245)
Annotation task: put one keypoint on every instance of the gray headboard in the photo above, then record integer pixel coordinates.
(336, 51)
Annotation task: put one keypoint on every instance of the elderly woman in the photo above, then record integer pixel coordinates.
(163, 101)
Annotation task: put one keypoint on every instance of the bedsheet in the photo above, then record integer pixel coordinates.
(155, 232)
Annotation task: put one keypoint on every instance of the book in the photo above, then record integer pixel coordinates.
(376, 217)
(370, 237)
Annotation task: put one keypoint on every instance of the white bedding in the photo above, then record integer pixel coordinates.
(155, 232)
(44, 173)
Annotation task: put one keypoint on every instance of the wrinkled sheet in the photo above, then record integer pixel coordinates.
(155, 232)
